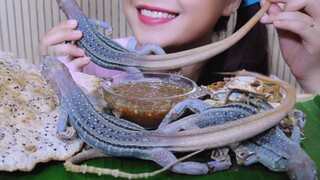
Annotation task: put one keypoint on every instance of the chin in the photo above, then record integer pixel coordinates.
(153, 36)
(154, 40)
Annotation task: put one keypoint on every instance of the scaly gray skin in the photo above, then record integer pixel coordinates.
(118, 137)
(102, 50)
(271, 148)
(106, 53)
(277, 152)
(204, 115)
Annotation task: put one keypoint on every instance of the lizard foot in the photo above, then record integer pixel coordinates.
(67, 134)
(220, 154)
(222, 160)
(145, 49)
(215, 166)
(298, 119)
(167, 159)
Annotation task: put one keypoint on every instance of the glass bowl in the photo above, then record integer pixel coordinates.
(145, 98)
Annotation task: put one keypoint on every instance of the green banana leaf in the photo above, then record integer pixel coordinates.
(55, 170)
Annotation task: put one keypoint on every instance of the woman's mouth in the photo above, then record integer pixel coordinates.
(155, 16)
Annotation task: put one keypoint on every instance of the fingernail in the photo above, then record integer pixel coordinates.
(77, 33)
(86, 58)
(264, 17)
(80, 50)
(72, 22)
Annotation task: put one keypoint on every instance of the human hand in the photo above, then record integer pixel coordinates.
(298, 26)
(53, 43)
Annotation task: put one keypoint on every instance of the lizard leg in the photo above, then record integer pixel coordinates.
(135, 72)
(144, 49)
(195, 105)
(299, 123)
(86, 155)
(101, 24)
(64, 132)
(266, 157)
(263, 104)
(245, 154)
(220, 154)
(164, 158)
(257, 101)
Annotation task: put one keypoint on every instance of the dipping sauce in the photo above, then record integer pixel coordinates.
(146, 101)
(148, 89)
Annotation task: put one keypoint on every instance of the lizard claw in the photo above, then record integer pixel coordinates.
(222, 160)
(67, 134)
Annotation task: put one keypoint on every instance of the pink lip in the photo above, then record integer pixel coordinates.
(153, 21)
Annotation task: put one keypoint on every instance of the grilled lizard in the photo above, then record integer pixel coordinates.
(117, 137)
(272, 148)
(107, 53)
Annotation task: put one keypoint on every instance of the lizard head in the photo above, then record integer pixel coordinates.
(52, 70)
(49, 66)
(70, 8)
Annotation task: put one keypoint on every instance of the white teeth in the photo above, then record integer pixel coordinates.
(156, 14)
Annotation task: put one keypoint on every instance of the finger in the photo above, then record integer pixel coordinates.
(72, 50)
(65, 59)
(60, 37)
(70, 24)
(62, 50)
(77, 64)
(61, 33)
(303, 29)
(293, 16)
(311, 7)
(274, 8)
